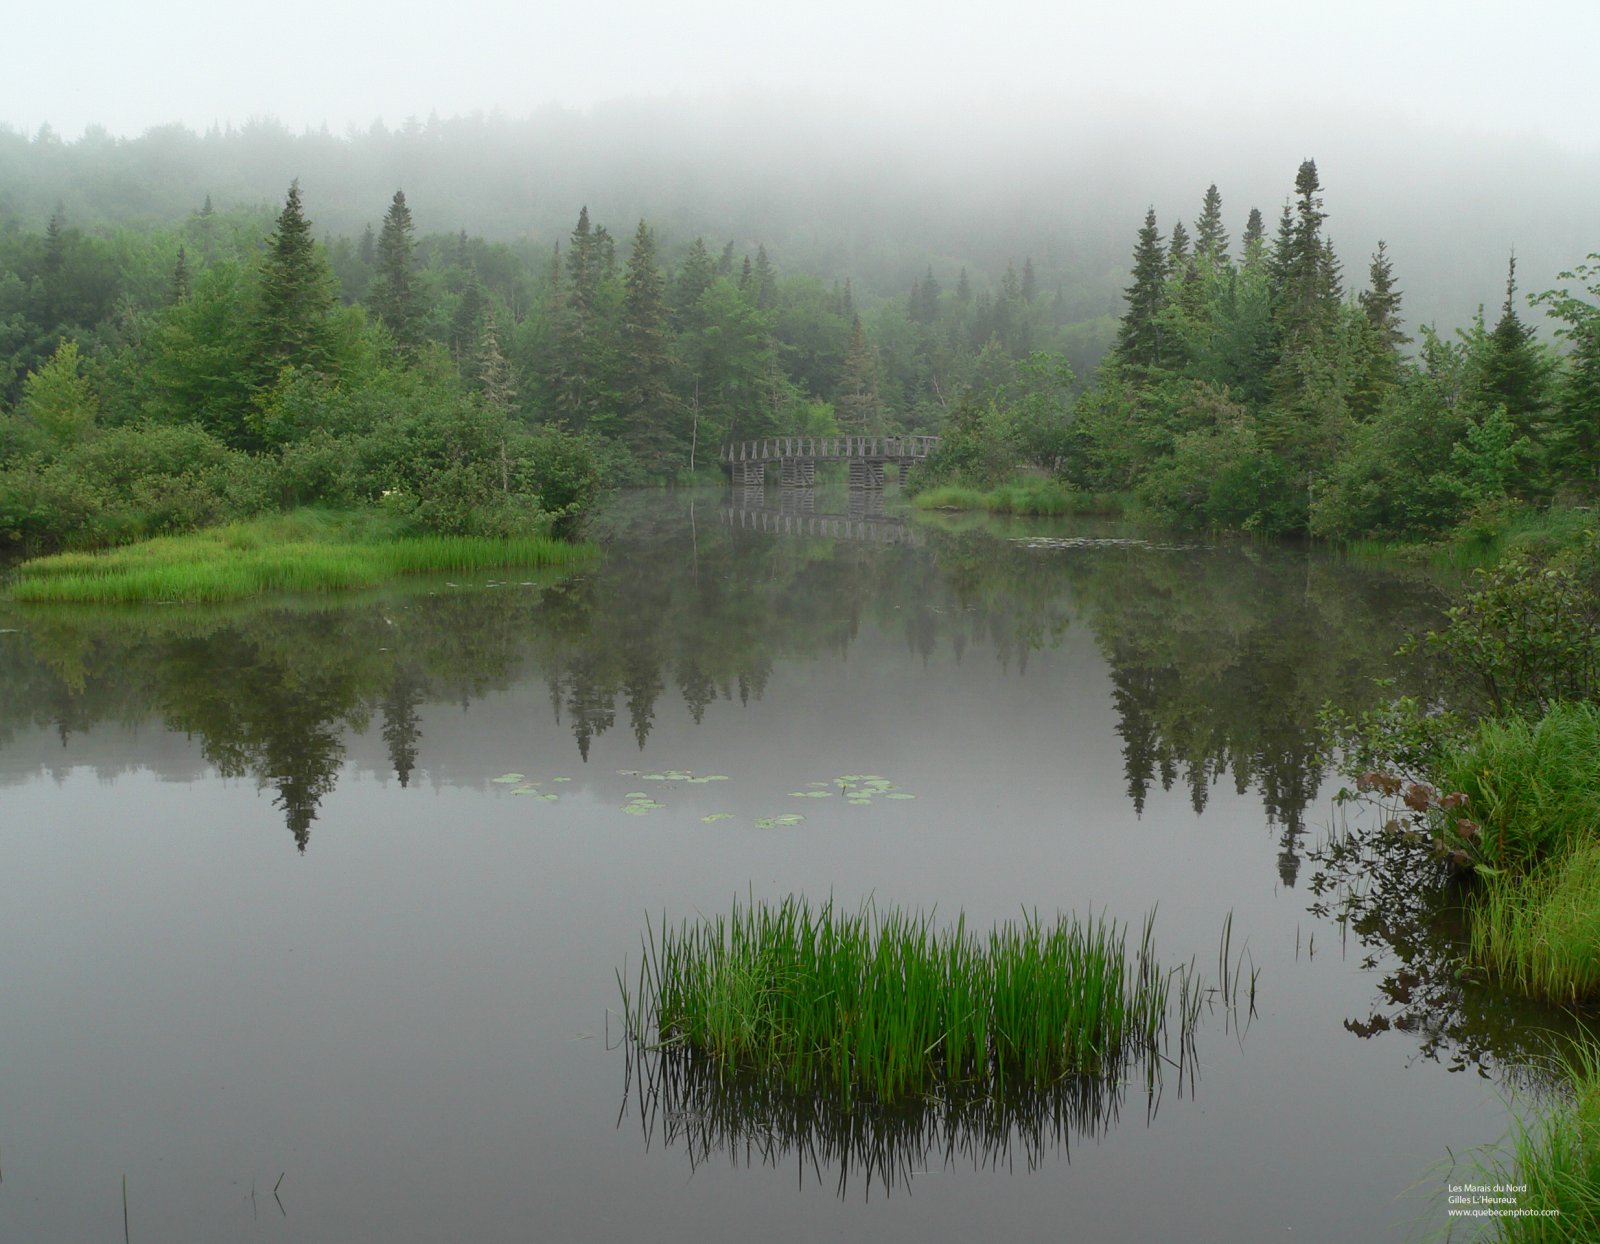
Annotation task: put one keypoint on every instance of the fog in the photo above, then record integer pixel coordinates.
(877, 196)
(855, 140)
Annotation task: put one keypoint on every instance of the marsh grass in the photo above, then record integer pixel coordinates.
(1553, 1159)
(1539, 933)
(307, 551)
(1532, 787)
(1026, 497)
(888, 1006)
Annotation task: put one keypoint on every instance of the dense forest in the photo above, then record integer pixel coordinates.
(161, 378)
(163, 369)
(1257, 389)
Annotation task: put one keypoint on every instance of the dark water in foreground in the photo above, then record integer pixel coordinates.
(266, 919)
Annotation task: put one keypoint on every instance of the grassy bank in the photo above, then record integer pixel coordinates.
(888, 1006)
(303, 551)
(1552, 1164)
(1028, 497)
(1487, 538)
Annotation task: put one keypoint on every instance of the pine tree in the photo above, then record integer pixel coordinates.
(1030, 284)
(746, 277)
(495, 380)
(1139, 335)
(725, 261)
(394, 293)
(651, 414)
(857, 408)
(1178, 249)
(1514, 372)
(466, 328)
(1210, 238)
(180, 278)
(367, 251)
(1253, 244)
(694, 278)
(1381, 301)
(296, 296)
(963, 288)
(766, 281)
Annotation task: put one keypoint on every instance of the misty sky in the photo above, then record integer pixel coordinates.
(1467, 65)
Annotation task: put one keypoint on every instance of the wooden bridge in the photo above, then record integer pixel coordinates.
(797, 457)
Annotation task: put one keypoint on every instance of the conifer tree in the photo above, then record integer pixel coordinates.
(296, 296)
(394, 293)
(725, 261)
(1177, 249)
(180, 278)
(466, 329)
(1381, 301)
(857, 408)
(746, 277)
(766, 281)
(1139, 340)
(367, 251)
(1253, 244)
(963, 288)
(1030, 283)
(651, 414)
(1210, 238)
(495, 380)
(1514, 372)
(694, 278)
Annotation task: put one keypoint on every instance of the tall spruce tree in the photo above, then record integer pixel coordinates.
(1380, 301)
(857, 407)
(651, 414)
(1210, 238)
(296, 295)
(1139, 337)
(394, 293)
(1514, 372)
(180, 278)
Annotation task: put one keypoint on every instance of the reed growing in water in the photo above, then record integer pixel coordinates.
(889, 1006)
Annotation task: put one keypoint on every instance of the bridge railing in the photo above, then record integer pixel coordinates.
(818, 448)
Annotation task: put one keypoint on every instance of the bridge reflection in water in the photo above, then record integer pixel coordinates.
(794, 513)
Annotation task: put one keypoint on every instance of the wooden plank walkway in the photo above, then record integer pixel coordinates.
(797, 457)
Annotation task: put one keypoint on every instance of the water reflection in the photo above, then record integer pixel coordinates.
(712, 1112)
(1397, 902)
(1218, 659)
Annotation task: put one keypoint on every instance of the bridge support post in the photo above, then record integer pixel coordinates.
(866, 474)
(749, 474)
(799, 473)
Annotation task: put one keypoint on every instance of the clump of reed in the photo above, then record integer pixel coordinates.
(888, 1005)
(278, 554)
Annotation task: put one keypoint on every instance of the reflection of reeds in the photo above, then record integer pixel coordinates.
(695, 1102)
(875, 1043)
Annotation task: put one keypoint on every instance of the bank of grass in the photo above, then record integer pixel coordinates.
(1530, 826)
(1539, 932)
(301, 551)
(1487, 538)
(1553, 1162)
(1039, 497)
(887, 1006)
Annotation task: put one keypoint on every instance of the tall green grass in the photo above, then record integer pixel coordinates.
(887, 1005)
(1028, 497)
(305, 552)
(1540, 933)
(1532, 787)
(1554, 1162)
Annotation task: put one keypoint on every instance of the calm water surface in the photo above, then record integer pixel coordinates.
(267, 920)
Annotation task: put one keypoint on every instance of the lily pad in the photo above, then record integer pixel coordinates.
(717, 816)
(775, 822)
(508, 778)
(561, 779)
(899, 794)
(859, 802)
(811, 794)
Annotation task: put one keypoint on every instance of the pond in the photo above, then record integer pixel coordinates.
(312, 912)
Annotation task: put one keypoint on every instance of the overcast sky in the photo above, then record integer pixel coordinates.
(1499, 67)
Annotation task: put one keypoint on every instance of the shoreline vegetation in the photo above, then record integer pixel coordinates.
(303, 551)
